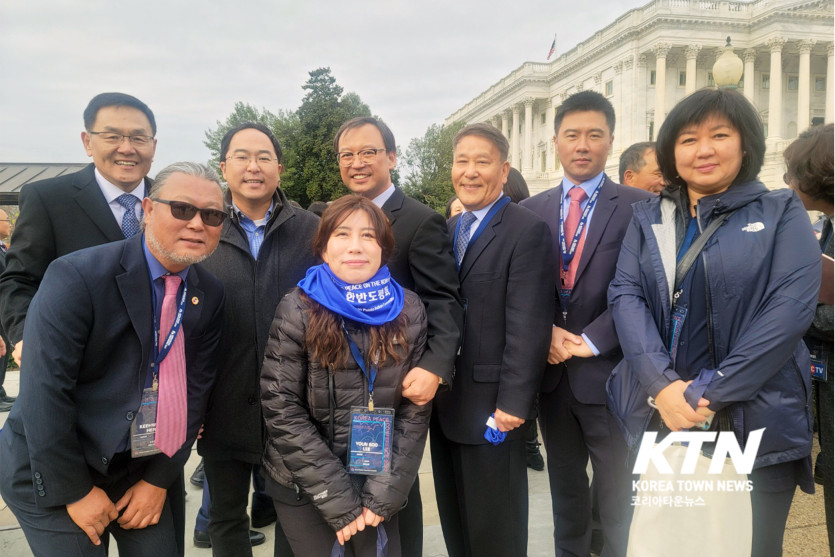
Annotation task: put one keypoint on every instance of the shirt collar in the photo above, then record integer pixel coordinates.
(112, 191)
(380, 200)
(155, 268)
(481, 213)
(588, 186)
(243, 218)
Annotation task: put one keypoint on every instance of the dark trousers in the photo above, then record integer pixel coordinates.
(482, 494)
(770, 511)
(4, 362)
(573, 433)
(410, 522)
(51, 532)
(228, 482)
(824, 399)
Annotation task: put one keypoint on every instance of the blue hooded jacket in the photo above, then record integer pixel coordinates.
(762, 269)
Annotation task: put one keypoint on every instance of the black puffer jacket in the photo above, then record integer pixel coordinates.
(294, 398)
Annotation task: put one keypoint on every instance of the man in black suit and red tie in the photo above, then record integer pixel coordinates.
(506, 268)
(588, 215)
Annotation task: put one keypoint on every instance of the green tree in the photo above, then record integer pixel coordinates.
(243, 112)
(429, 164)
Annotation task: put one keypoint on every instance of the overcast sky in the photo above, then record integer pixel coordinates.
(412, 62)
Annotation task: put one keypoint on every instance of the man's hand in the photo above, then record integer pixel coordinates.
(676, 411)
(506, 422)
(420, 385)
(579, 349)
(370, 518)
(2, 347)
(356, 525)
(142, 503)
(18, 352)
(92, 513)
(559, 337)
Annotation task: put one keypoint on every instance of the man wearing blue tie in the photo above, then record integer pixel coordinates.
(120, 359)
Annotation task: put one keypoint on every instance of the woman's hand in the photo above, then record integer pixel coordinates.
(370, 518)
(676, 411)
(356, 525)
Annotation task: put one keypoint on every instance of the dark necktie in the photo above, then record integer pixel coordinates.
(130, 226)
(463, 239)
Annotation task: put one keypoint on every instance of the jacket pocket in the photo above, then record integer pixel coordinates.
(486, 373)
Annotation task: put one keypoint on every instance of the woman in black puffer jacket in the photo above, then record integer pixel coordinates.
(311, 379)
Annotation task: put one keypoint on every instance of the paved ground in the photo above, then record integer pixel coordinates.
(805, 534)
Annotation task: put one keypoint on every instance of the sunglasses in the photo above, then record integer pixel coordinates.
(185, 211)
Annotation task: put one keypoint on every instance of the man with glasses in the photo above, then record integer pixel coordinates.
(119, 350)
(101, 203)
(265, 249)
(422, 262)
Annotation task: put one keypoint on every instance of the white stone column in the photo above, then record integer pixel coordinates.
(692, 54)
(803, 79)
(660, 50)
(775, 88)
(514, 138)
(550, 112)
(527, 152)
(504, 125)
(830, 85)
(641, 116)
(749, 57)
(620, 112)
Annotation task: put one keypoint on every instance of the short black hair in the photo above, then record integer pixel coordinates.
(103, 100)
(516, 188)
(488, 132)
(809, 163)
(227, 138)
(632, 157)
(698, 107)
(586, 101)
(388, 137)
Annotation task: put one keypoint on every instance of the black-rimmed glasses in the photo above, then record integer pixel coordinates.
(181, 210)
(366, 156)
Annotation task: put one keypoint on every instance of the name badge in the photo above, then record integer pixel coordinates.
(144, 426)
(818, 366)
(369, 446)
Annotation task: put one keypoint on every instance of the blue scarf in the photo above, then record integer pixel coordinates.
(375, 302)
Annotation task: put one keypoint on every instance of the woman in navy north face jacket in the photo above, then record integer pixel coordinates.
(725, 343)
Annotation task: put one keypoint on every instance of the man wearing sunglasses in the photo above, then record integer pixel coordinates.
(119, 351)
(265, 249)
(101, 203)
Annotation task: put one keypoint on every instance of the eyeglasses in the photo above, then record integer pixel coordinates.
(116, 138)
(181, 210)
(244, 160)
(366, 156)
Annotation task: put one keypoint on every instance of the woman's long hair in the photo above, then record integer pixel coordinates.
(325, 337)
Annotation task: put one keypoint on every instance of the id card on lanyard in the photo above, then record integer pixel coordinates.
(143, 428)
(567, 251)
(370, 437)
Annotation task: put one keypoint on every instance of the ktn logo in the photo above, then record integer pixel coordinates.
(726, 447)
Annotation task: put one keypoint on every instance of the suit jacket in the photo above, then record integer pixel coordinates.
(423, 262)
(88, 346)
(506, 282)
(588, 311)
(57, 216)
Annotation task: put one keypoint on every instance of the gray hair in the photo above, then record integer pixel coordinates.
(633, 157)
(188, 168)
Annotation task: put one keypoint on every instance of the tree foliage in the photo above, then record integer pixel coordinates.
(429, 164)
(243, 112)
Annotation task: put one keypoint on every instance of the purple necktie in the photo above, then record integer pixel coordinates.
(172, 408)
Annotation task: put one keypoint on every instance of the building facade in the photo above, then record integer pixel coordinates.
(651, 57)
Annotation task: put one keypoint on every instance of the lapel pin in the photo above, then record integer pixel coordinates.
(195, 300)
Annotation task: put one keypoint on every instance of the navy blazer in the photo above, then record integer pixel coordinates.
(507, 278)
(57, 216)
(87, 350)
(589, 312)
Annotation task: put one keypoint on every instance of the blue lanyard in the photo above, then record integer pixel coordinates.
(483, 224)
(355, 351)
(568, 253)
(175, 327)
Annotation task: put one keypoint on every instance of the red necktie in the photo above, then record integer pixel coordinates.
(577, 195)
(172, 408)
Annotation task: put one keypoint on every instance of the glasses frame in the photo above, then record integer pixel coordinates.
(239, 160)
(130, 138)
(364, 159)
(191, 210)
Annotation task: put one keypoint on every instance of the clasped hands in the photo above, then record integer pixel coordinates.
(676, 411)
(565, 345)
(142, 505)
(366, 518)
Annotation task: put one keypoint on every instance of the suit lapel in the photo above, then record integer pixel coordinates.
(606, 204)
(194, 302)
(393, 205)
(91, 201)
(135, 288)
(552, 214)
(475, 250)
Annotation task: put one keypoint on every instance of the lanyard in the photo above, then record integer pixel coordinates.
(568, 253)
(483, 224)
(175, 327)
(355, 351)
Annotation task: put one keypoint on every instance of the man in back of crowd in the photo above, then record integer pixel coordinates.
(639, 167)
(422, 262)
(265, 249)
(6, 401)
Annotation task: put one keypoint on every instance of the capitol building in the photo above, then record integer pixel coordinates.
(651, 57)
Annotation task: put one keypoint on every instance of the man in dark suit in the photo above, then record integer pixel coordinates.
(506, 272)
(422, 261)
(116, 386)
(87, 208)
(593, 213)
